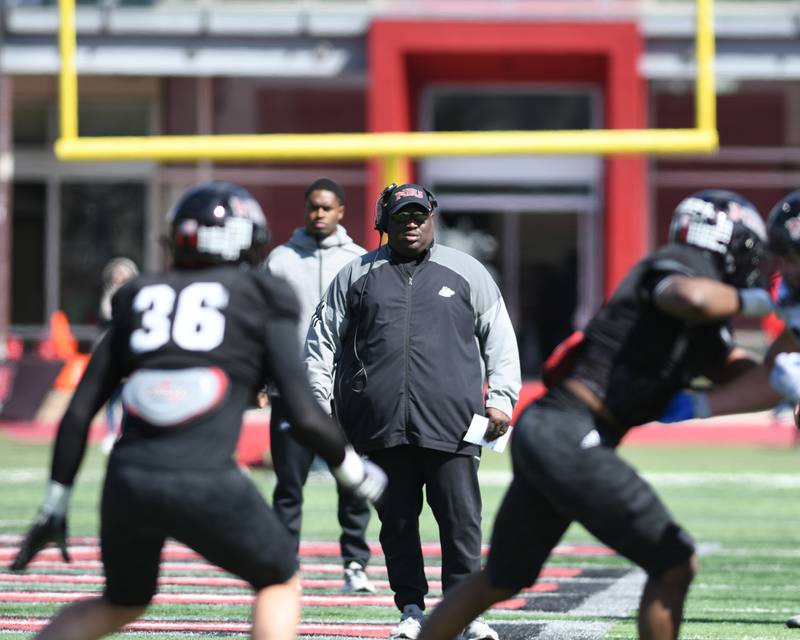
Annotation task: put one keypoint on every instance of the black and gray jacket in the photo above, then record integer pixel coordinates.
(427, 342)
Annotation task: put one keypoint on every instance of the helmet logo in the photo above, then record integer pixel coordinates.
(793, 227)
(186, 234)
(748, 218)
(247, 208)
(226, 241)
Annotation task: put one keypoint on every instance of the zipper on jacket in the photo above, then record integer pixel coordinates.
(408, 347)
(319, 274)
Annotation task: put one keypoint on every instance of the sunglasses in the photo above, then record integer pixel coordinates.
(404, 217)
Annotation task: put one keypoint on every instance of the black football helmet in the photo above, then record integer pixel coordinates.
(783, 226)
(730, 227)
(217, 223)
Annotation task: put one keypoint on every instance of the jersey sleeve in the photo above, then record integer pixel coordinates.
(657, 272)
(101, 377)
(279, 299)
(715, 343)
(311, 426)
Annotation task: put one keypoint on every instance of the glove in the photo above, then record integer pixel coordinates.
(362, 477)
(686, 405)
(755, 302)
(46, 528)
(50, 526)
(785, 375)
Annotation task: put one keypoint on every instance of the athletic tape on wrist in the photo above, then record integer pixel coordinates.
(351, 471)
(701, 404)
(754, 302)
(56, 499)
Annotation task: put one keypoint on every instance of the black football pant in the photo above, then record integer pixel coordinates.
(292, 462)
(453, 493)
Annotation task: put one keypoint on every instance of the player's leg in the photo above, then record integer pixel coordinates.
(618, 507)
(131, 550)
(88, 620)
(222, 516)
(525, 531)
(661, 607)
(276, 611)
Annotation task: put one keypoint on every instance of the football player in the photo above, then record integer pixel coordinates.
(195, 344)
(778, 377)
(666, 322)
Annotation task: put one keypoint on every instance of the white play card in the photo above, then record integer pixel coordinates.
(476, 430)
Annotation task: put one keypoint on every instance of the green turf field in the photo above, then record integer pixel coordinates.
(741, 504)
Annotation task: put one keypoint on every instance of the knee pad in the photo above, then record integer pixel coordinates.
(674, 548)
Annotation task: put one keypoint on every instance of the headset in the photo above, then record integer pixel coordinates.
(380, 220)
(358, 381)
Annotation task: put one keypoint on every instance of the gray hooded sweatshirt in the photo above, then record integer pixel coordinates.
(309, 266)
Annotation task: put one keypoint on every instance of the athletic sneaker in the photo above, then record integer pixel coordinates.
(356, 580)
(410, 624)
(793, 622)
(478, 630)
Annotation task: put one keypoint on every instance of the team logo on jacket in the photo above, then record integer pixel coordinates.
(446, 292)
(591, 439)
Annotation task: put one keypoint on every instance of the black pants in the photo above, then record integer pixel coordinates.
(292, 462)
(217, 512)
(566, 469)
(453, 493)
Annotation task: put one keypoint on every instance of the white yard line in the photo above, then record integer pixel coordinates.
(618, 600)
(680, 479)
(39, 475)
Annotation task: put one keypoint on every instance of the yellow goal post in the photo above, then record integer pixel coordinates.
(391, 148)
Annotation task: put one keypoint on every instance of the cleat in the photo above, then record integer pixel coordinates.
(478, 630)
(355, 580)
(410, 624)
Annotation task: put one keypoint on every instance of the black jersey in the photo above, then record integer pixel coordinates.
(211, 318)
(635, 357)
(238, 323)
(214, 318)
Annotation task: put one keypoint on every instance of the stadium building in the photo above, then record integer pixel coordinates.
(557, 230)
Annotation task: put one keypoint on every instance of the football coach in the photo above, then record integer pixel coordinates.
(403, 341)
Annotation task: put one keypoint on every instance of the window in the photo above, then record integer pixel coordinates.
(99, 221)
(28, 212)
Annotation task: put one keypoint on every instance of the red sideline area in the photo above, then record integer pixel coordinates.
(762, 429)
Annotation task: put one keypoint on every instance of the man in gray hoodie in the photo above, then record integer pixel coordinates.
(309, 261)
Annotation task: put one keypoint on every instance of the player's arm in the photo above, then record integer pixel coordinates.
(754, 389)
(311, 426)
(98, 382)
(699, 299)
(737, 363)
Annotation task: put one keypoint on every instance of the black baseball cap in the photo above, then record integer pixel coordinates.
(408, 195)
